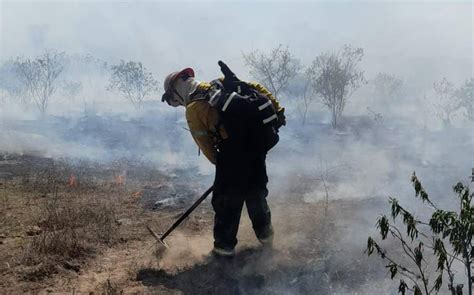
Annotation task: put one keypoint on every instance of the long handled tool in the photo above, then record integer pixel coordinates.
(161, 239)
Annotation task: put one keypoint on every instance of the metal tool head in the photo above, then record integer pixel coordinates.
(158, 239)
(163, 243)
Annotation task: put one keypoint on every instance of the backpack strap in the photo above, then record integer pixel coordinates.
(215, 92)
(200, 93)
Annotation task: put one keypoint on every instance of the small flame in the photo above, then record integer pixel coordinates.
(72, 182)
(137, 194)
(120, 179)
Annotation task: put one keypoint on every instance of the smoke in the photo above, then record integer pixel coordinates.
(361, 164)
(414, 40)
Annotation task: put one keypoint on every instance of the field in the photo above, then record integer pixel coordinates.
(81, 228)
(74, 209)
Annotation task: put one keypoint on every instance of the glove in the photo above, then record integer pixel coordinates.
(231, 83)
(281, 118)
(229, 76)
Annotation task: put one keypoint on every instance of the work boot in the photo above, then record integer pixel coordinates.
(265, 237)
(223, 252)
(267, 242)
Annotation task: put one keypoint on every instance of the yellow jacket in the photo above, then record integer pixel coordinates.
(203, 119)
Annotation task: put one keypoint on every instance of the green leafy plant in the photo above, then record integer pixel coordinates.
(446, 237)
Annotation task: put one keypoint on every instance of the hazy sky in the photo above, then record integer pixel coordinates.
(412, 39)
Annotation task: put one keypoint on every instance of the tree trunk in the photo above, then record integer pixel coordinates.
(304, 115)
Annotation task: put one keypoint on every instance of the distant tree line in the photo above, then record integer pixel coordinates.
(35, 80)
(450, 100)
(332, 77)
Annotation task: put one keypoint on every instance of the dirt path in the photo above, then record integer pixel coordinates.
(118, 268)
(300, 263)
(107, 272)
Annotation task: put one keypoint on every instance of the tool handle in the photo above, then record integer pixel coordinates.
(186, 214)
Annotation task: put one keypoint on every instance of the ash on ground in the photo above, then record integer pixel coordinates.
(167, 196)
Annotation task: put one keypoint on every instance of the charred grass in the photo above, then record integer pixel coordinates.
(52, 229)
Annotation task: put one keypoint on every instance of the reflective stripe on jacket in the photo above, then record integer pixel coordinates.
(203, 119)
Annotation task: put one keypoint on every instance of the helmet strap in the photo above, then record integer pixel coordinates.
(179, 95)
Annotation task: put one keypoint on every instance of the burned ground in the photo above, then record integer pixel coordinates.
(64, 236)
(78, 224)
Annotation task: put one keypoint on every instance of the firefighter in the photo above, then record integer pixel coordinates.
(241, 175)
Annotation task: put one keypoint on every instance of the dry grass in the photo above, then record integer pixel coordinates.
(68, 233)
(49, 228)
(71, 229)
(92, 237)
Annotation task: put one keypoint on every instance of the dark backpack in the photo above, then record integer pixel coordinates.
(246, 114)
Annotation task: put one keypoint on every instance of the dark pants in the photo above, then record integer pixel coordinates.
(241, 177)
(228, 208)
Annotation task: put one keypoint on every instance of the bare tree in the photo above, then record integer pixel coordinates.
(274, 70)
(446, 103)
(465, 94)
(132, 80)
(71, 88)
(304, 97)
(39, 76)
(334, 77)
